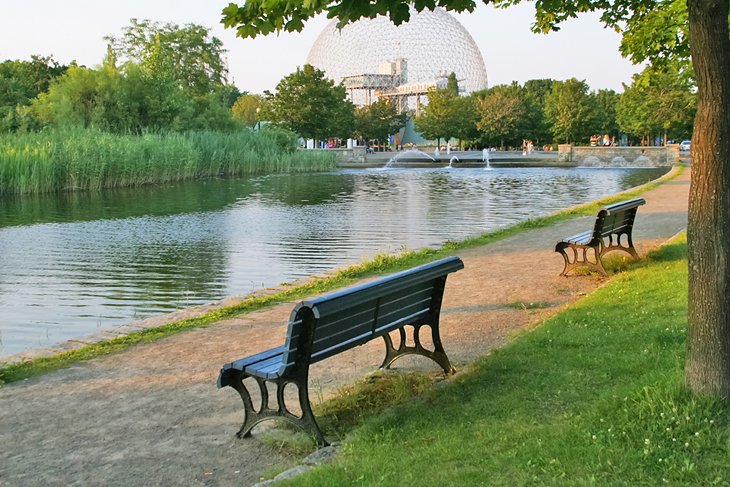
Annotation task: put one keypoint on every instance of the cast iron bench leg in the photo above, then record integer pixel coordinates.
(579, 260)
(438, 354)
(253, 417)
(615, 244)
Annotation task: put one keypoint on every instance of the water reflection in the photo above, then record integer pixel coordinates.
(72, 263)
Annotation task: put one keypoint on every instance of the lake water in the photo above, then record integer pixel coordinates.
(73, 263)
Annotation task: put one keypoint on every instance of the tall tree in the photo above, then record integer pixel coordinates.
(248, 109)
(311, 105)
(440, 116)
(196, 58)
(501, 113)
(452, 84)
(606, 101)
(659, 102)
(20, 83)
(536, 125)
(571, 111)
(378, 120)
(708, 357)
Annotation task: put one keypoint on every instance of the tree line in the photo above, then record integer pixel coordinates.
(659, 104)
(165, 77)
(154, 77)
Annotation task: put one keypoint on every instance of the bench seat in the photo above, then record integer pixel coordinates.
(580, 239)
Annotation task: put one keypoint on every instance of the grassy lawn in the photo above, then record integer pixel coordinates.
(593, 396)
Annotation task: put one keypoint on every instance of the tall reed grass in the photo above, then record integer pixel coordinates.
(89, 159)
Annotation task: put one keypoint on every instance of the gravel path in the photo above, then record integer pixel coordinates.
(152, 415)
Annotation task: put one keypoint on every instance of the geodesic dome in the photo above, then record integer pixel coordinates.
(433, 44)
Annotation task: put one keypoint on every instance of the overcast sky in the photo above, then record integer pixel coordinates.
(74, 30)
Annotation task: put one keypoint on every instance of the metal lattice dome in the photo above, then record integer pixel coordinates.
(433, 44)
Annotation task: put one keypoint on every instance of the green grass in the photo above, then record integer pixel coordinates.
(379, 265)
(594, 396)
(88, 159)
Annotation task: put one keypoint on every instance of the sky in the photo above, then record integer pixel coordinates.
(74, 30)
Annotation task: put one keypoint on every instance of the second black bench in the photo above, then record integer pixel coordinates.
(325, 326)
(611, 231)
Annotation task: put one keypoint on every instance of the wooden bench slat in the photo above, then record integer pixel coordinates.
(414, 317)
(265, 367)
(343, 336)
(351, 297)
(346, 345)
(413, 295)
(332, 323)
(580, 238)
(254, 359)
(625, 205)
(394, 315)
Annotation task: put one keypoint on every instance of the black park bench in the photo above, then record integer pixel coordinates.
(325, 326)
(613, 223)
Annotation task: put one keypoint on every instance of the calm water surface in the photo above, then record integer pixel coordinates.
(73, 263)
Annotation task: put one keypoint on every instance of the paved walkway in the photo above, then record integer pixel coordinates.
(152, 416)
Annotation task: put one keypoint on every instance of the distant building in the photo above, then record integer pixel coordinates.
(373, 58)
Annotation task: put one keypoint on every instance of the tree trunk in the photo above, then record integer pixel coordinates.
(707, 369)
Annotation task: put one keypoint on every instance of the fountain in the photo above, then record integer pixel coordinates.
(485, 159)
(411, 154)
(451, 161)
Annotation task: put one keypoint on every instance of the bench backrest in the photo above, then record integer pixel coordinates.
(330, 324)
(616, 218)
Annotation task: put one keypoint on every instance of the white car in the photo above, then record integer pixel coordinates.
(685, 145)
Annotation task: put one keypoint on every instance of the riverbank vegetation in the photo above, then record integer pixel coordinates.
(593, 396)
(157, 110)
(90, 159)
(380, 265)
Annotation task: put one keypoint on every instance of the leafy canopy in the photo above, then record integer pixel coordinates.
(194, 58)
(311, 105)
(378, 120)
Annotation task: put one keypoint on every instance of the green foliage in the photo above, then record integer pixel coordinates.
(378, 120)
(370, 397)
(571, 110)
(21, 82)
(309, 104)
(193, 58)
(659, 101)
(501, 110)
(247, 109)
(441, 117)
(138, 98)
(256, 17)
(606, 101)
(536, 126)
(452, 84)
(658, 34)
(88, 159)
(170, 78)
